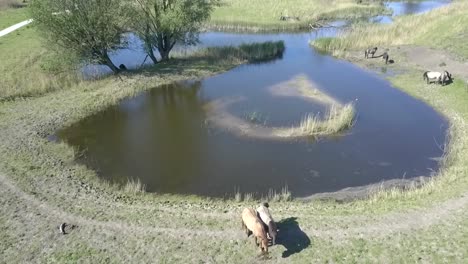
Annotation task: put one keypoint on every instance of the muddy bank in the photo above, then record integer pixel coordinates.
(363, 192)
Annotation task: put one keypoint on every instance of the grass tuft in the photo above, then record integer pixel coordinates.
(337, 120)
(134, 186)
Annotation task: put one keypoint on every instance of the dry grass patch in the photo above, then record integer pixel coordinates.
(444, 27)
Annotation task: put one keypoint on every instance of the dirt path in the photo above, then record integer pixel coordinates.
(358, 226)
(435, 60)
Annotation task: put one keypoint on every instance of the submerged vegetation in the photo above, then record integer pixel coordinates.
(339, 117)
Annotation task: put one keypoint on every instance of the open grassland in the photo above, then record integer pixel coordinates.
(265, 14)
(41, 186)
(11, 16)
(444, 28)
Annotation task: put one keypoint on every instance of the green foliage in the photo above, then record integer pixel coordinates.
(163, 23)
(90, 29)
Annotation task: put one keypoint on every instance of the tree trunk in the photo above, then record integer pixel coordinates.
(164, 54)
(151, 55)
(108, 62)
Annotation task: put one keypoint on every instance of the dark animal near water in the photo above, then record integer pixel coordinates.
(385, 57)
(252, 224)
(370, 51)
(441, 78)
(268, 222)
(122, 67)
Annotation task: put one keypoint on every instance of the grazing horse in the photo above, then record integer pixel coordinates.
(370, 51)
(442, 78)
(251, 223)
(446, 77)
(268, 222)
(431, 76)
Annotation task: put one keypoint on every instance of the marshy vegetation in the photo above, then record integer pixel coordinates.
(336, 120)
(441, 28)
(284, 195)
(270, 15)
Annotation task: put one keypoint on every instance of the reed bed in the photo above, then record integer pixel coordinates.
(336, 120)
(250, 52)
(244, 15)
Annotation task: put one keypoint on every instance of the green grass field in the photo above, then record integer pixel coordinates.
(265, 14)
(11, 16)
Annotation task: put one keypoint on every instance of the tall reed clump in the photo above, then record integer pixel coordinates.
(274, 15)
(250, 52)
(336, 120)
(274, 196)
(134, 186)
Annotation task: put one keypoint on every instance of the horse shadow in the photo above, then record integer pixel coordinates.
(291, 237)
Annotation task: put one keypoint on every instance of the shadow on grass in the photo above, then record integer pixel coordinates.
(291, 237)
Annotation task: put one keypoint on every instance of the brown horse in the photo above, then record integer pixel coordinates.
(252, 224)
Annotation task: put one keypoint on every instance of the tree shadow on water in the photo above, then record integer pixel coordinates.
(291, 236)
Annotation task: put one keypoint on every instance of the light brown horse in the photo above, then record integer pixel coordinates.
(252, 224)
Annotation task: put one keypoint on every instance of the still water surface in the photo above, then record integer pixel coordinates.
(162, 138)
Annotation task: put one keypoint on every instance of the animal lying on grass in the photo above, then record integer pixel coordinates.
(253, 225)
(439, 77)
(268, 222)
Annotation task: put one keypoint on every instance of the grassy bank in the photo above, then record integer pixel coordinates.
(444, 28)
(10, 16)
(421, 30)
(264, 15)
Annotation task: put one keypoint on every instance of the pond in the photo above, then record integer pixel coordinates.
(166, 137)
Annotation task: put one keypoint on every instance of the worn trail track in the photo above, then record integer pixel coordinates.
(371, 226)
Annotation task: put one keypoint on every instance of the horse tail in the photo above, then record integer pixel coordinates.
(425, 77)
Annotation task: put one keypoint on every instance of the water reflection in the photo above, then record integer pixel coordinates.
(161, 136)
